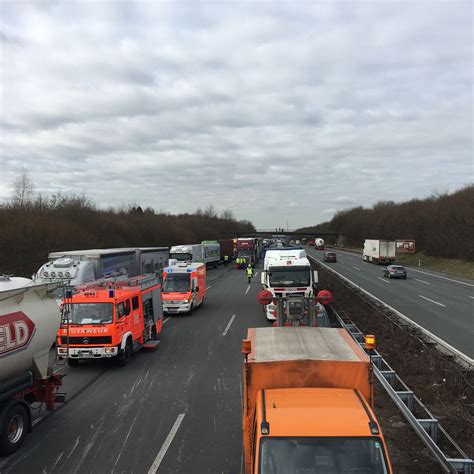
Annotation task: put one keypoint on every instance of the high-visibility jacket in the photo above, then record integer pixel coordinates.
(249, 271)
(226, 258)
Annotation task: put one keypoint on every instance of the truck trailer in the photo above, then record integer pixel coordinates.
(75, 267)
(379, 251)
(247, 251)
(308, 404)
(208, 253)
(29, 319)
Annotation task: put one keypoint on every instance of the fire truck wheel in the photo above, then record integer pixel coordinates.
(154, 334)
(14, 429)
(126, 353)
(72, 362)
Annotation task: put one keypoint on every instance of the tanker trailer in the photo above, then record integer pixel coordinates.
(319, 244)
(29, 319)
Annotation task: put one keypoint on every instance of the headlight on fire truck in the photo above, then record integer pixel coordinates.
(109, 350)
(185, 301)
(62, 350)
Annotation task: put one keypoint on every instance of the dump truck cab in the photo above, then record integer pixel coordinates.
(316, 430)
(307, 404)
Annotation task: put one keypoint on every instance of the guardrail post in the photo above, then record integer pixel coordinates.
(407, 398)
(389, 376)
(431, 427)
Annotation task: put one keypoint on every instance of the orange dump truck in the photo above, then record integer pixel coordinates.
(111, 319)
(307, 404)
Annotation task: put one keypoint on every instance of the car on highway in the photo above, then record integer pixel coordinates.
(395, 271)
(330, 257)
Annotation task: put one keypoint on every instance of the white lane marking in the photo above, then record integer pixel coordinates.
(229, 324)
(433, 301)
(247, 290)
(436, 338)
(472, 297)
(422, 281)
(169, 439)
(256, 273)
(357, 268)
(207, 287)
(383, 279)
(35, 422)
(439, 276)
(167, 319)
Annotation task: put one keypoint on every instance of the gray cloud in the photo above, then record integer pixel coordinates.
(275, 110)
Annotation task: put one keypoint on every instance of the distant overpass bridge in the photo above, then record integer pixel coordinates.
(270, 232)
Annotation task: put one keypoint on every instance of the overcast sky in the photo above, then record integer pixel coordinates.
(276, 110)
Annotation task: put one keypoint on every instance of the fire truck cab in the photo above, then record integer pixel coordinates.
(111, 319)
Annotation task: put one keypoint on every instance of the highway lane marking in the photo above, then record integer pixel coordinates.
(207, 287)
(247, 290)
(433, 336)
(422, 281)
(229, 324)
(256, 273)
(439, 276)
(433, 301)
(167, 319)
(169, 439)
(472, 297)
(383, 279)
(357, 268)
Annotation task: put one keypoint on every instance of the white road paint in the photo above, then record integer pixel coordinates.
(472, 297)
(207, 287)
(442, 277)
(35, 422)
(255, 274)
(229, 324)
(434, 337)
(357, 268)
(433, 301)
(383, 279)
(167, 319)
(169, 439)
(247, 290)
(422, 281)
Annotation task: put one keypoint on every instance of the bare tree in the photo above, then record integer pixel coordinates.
(210, 211)
(22, 189)
(227, 215)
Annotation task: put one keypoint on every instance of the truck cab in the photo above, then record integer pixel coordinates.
(287, 271)
(184, 287)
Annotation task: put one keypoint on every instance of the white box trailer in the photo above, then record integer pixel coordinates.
(379, 251)
(208, 253)
(76, 267)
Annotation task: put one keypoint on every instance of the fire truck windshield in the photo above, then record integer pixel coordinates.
(284, 276)
(182, 257)
(179, 282)
(91, 313)
(335, 455)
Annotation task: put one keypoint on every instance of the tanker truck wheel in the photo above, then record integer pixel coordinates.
(14, 428)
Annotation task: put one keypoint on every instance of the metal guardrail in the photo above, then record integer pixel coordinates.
(425, 424)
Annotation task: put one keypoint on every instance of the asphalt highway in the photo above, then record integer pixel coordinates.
(174, 409)
(442, 304)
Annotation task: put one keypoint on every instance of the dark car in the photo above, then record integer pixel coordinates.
(395, 271)
(330, 257)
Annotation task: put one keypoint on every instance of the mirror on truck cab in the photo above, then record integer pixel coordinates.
(262, 278)
(315, 276)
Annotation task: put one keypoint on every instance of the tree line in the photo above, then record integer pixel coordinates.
(442, 225)
(33, 226)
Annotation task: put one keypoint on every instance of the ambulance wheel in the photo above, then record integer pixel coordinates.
(72, 362)
(124, 358)
(14, 428)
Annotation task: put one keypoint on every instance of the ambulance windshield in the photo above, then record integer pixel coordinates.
(91, 313)
(178, 282)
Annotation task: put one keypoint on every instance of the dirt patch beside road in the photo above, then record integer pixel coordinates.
(445, 388)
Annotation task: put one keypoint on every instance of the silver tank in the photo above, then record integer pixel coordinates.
(29, 320)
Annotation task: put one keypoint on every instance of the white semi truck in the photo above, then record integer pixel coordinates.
(29, 319)
(287, 271)
(208, 253)
(379, 251)
(76, 267)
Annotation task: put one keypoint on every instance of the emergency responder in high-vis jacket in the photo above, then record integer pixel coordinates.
(226, 260)
(249, 272)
